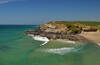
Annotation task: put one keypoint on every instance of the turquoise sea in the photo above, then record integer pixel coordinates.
(19, 49)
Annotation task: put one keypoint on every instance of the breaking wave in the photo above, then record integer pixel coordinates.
(39, 38)
(62, 51)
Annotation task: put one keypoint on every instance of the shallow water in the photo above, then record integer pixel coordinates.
(19, 49)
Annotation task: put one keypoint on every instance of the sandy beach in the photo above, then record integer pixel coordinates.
(93, 36)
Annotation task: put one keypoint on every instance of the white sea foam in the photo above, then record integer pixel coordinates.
(60, 51)
(39, 38)
(73, 42)
(67, 41)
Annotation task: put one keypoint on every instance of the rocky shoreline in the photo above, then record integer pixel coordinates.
(58, 36)
(58, 31)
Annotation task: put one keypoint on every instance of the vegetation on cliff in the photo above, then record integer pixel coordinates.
(83, 24)
(65, 30)
(88, 23)
(70, 27)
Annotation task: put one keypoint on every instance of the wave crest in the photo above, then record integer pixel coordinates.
(60, 51)
(39, 38)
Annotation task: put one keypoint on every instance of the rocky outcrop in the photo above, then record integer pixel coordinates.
(58, 36)
(89, 29)
(54, 30)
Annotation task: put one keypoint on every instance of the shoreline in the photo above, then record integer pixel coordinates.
(68, 32)
(93, 36)
(46, 40)
(85, 37)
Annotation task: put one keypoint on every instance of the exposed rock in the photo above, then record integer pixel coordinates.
(54, 30)
(90, 29)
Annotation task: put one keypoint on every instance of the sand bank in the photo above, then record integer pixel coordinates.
(93, 36)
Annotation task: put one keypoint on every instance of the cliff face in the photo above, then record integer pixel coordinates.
(53, 28)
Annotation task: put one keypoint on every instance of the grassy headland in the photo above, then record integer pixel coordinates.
(69, 30)
(81, 23)
(88, 23)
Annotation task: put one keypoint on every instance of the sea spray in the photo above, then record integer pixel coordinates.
(39, 38)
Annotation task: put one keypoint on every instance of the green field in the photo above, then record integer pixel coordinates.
(88, 23)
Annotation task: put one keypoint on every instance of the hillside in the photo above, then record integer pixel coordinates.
(92, 24)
